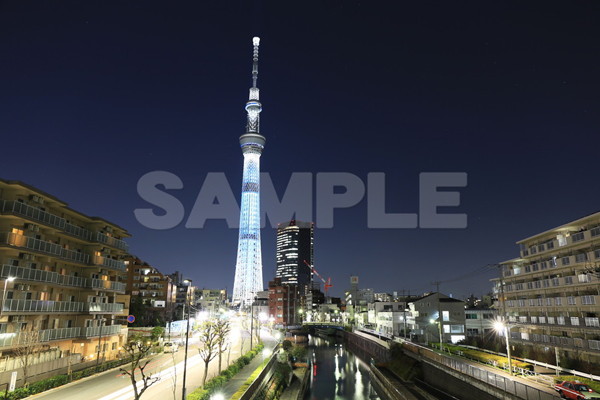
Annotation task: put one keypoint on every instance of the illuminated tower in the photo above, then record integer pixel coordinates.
(248, 268)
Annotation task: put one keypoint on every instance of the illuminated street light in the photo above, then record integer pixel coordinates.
(8, 279)
(217, 396)
(439, 324)
(504, 329)
(187, 335)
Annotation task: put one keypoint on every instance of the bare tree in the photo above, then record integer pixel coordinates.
(208, 347)
(137, 349)
(223, 327)
(29, 346)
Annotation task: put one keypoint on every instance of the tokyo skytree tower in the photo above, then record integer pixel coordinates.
(248, 268)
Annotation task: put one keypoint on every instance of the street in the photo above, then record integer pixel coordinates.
(115, 385)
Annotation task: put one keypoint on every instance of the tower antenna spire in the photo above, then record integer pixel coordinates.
(256, 43)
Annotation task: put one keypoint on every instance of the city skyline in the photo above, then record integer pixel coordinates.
(94, 99)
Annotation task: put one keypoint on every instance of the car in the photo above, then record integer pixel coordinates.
(575, 390)
(171, 347)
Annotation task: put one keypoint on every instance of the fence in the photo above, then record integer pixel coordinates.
(506, 384)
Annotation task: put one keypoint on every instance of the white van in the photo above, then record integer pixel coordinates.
(171, 347)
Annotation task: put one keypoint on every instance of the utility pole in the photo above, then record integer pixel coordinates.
(440, 319)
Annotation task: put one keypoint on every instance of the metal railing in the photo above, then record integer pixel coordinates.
(15, 239)
(109, 263)
(504, 383)
(49, 306)
(111, 241)
(104, 330)
(104, 307)
(49, 219)
(46, 335)
(42, 306)
(36, 275)
(105, 285)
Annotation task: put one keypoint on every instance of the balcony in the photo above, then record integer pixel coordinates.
(53, 249)
(46, 335)
(109, 263)
(105, 307)
(43, 306)
(46, 218)
(101, 330)
(105, 285)
(36, 275)
(111, 241)
(53, 307)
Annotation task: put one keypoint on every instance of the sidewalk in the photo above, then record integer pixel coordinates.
(292, 391)
(238, 380)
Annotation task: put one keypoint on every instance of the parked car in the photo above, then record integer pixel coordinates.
(171, 347)
(575, 390)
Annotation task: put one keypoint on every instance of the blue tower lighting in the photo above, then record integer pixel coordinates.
(248, 269)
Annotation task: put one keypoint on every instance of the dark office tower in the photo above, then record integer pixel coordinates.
(294, 247)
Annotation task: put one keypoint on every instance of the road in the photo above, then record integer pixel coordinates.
(115, 385)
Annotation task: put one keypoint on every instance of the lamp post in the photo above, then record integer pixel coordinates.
(504, 328)
(439, 324)
(251, 322)
(187, 336)
(405, 310)
(8, 279)
(99, 342)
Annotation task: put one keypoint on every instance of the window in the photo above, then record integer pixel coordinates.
(577, 237)
(558, 301)
(565, 261)
(571, 300)
(560, 320)
(114, 345)
(581, 257)
(471, 316)
(568, 280)
(588, 300)
(445, 316)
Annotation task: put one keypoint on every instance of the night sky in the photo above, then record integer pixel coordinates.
(95, 94)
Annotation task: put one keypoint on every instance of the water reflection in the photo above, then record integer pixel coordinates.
(337, 374)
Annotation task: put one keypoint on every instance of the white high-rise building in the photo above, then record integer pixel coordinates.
(248, 270)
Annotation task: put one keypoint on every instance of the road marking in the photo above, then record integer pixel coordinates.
(126, 393)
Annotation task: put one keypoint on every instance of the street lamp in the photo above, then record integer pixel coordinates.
(300, 311)
(8, 279)
(405, 310)
(439, 324)
(503, 328)
(187, 335)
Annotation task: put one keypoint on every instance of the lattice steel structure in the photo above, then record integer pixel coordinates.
(248, 270)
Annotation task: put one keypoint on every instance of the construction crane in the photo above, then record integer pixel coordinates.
(327, 283)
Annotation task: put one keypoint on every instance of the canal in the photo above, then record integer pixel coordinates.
(337, 373)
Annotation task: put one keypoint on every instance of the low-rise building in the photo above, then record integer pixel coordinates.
(425, 317)
(480, 321)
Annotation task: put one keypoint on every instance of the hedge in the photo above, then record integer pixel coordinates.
(59, 380)
(204, 393)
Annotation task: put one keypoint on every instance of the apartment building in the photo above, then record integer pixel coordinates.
(211, 301)
(285, 302)
(153, 294)
(424, 317)
(551, 293)
(63, 286)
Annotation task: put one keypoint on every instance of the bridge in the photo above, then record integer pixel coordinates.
(324, 325)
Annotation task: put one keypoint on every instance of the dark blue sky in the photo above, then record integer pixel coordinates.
(95, 94)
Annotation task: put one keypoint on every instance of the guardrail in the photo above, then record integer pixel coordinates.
(506, 384)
